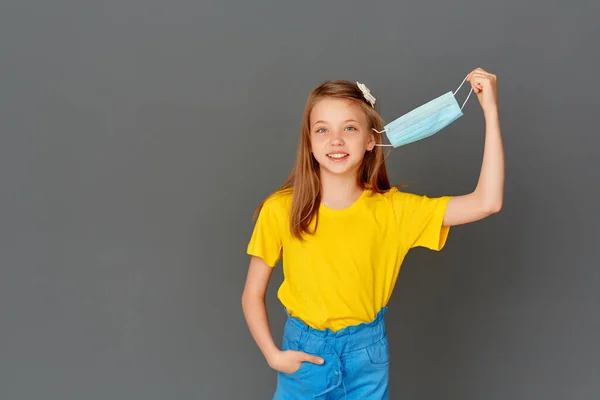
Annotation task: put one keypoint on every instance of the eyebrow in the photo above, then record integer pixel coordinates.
(348, 120)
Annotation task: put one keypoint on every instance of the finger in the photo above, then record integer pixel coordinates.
(313, 359)
(477, 88)
(481, 75)
(476, 71)
(480, 79)
(484, 74)
(475, 83)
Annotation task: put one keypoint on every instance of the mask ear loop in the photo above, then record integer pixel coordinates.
(471, 91)
(385, 156)
(381, 144)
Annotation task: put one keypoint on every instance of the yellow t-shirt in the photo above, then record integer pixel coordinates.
(345, 273)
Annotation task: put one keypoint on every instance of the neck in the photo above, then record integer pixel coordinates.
(339, 191)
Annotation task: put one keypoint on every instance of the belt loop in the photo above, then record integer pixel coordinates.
(303, 336)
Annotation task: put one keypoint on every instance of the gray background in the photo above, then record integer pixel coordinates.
(139, 136)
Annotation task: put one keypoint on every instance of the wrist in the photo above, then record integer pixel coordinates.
(491, 113)
(271, 355)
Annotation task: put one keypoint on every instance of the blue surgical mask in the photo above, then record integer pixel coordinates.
(425, 120)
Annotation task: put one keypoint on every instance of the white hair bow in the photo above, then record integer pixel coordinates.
(366, 93)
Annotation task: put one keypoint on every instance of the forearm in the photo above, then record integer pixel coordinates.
(255, 312)
(490, 187)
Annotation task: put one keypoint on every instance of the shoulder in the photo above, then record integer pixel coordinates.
(399, 196)
(279, 201)
(403, 201)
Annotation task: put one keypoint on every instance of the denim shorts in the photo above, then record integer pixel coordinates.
(356, 362)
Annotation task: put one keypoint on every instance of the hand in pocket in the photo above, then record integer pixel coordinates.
(289, 361)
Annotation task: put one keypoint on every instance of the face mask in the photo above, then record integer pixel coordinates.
(425, 120)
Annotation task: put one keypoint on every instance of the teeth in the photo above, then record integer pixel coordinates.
(337, 155)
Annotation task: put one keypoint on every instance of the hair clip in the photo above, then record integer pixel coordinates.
(366, 93)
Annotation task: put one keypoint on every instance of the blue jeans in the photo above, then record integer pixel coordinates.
(356, 362)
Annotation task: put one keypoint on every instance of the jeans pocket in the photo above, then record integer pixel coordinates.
(379, 352)
(290, 345)
(303, 367)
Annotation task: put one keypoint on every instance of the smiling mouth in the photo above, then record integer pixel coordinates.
(337, 156)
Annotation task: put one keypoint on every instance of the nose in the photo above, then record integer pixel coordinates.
(337, 138)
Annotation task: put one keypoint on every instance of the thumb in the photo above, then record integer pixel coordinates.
(313, 359)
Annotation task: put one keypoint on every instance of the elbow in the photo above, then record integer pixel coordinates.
(493, 207)
(489, 202)
(250, 299)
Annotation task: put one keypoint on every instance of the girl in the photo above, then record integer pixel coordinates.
(343, 232)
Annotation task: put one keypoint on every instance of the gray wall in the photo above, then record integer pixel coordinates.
(139, 136)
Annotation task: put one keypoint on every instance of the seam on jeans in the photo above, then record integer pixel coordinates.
(369, 351)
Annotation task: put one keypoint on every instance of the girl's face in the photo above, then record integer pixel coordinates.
(339, 136)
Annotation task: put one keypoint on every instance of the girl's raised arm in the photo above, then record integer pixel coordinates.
(487, 197)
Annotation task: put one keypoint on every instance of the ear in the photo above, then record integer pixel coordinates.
(371, 143)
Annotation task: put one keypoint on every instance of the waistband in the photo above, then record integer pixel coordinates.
(326, 341)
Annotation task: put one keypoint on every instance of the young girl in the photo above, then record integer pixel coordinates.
(343, 231)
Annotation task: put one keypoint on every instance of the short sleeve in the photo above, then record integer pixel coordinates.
(265, 241)
(421, 220)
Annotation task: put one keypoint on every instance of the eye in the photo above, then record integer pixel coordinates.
(321, 130)
(351, 128)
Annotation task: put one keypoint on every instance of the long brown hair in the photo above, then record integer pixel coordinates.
(304, 180)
